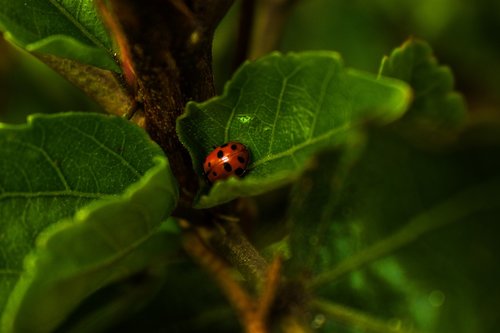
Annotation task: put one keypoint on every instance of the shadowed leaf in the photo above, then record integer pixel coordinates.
(43, 184)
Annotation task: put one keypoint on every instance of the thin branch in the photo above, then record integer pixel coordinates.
(269, 289)
(120, 40)
(357, 319)
(270, 20)
(458, 207)
(253, 312)
(232, 243)
(246, 23)
(244, 304)
(240, 300)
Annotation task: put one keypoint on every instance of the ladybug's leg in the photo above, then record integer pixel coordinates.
(205, 177)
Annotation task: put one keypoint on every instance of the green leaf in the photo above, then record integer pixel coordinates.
(64, 216)
(64, 28)
(406, 225)
(436, 104)
(118, 301)
(284, 108)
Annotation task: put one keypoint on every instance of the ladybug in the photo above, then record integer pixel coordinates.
(226, 160)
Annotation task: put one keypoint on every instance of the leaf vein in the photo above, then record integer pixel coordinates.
(233, 110)
(302, 145)
(49, 194)
(280, 103)
(324, 86)
(107, 149)
(80, 26)
(49, 159)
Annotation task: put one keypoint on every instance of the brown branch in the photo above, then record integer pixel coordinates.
(220, 271)
(169, 46)
(269, 290)
(120, 44)
(240, 300)
(253, 313)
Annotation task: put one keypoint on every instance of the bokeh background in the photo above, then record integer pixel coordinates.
(465, 35)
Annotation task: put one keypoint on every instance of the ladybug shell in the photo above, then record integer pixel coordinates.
(229, 159)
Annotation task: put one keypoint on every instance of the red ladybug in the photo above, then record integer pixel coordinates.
(227, 160)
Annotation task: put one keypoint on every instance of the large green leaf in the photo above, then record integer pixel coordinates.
(284, 108)
(405, 232)
(65, 28)
(52, 168)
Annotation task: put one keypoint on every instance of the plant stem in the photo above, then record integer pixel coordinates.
(240, 300)
(460, 206)
(253, 311)
(269, 289)
(252, 318)
(270, 19)
(356, 319)
(232, 243)
(168, 44)
(246, 23)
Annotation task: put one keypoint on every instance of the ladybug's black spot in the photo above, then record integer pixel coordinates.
(228, 167)
(210, 164)
(240, 159)
(233, 147)
(220, 153)
(214, 173)
(239, 171)
(224, 145)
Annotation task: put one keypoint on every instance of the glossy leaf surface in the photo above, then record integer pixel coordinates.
(64, 28)
(284, 108)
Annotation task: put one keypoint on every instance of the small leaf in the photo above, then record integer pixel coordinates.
(436, 104)
(284, 108)
(64, 28)
(53, 167)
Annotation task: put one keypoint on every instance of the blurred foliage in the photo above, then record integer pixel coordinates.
(27, 86)
(463, 33)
